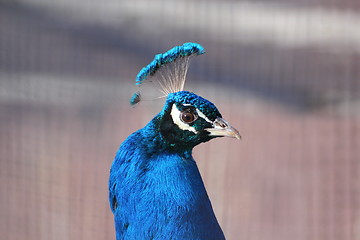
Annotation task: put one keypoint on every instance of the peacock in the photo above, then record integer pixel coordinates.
(155, 188)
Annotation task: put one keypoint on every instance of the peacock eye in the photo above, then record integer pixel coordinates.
(188, 117)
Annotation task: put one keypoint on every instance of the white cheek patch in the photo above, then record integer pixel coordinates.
(175, 115)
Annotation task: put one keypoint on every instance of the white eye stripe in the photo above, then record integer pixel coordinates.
(175, 115)
(200, 114)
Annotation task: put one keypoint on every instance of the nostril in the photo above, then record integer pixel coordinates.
(221, 123)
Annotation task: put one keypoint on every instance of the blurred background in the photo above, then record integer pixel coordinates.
(286, 74)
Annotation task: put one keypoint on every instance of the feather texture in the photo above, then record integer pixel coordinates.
(155, 188)
(168, 70)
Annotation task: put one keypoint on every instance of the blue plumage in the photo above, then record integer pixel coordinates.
(187, 49)
(136, 98)
(155, 188)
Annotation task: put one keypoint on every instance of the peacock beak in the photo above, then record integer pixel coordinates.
(221, 128)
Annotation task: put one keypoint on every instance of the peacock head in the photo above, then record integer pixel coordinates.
(188, 119)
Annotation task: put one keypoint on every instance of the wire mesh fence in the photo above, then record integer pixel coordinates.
(286, 74)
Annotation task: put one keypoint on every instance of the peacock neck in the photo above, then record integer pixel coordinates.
(155, 143)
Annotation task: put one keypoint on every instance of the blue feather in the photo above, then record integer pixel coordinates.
(135, 98)
(170, 69)
(187, 49)
(155, 188)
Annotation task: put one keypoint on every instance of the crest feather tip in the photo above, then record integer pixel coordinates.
(171, 67)
(136, 98)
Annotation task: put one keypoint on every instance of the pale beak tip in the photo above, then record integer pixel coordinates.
(236, 133)
(223, 129)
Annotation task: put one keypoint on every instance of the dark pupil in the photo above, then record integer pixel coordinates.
(187, 117)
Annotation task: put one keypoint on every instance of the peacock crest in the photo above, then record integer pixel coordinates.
(168, 70)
